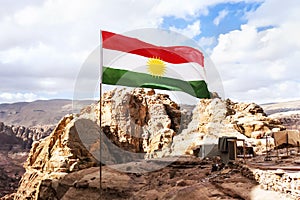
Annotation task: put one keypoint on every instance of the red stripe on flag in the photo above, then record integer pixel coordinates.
(172, 54)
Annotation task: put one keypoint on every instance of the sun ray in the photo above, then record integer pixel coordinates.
(156, 67)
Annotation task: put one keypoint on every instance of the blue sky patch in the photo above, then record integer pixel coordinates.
(235, 16)
(263, 28)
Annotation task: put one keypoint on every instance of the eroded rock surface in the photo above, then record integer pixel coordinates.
(22, 137)
(214, 118)
(74, 143)
(60, 153)
(136, 124)
(140, 120)
(291, 119)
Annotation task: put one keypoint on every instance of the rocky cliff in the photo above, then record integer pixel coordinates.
(14, 149)
(74, 143)
(62, 152)
(15, 143)
(136, 124)
(214, 118)
(141, 121)
(13, 137)
(290, 119)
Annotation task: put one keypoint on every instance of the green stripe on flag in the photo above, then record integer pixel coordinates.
(113, 76)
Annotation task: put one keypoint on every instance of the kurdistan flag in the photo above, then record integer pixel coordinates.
(131, 62)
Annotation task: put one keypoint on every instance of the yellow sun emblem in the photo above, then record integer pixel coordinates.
(156, 67)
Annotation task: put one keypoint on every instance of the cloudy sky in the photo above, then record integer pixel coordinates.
(254, 44)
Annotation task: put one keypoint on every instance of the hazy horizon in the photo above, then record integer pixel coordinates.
(190, 102)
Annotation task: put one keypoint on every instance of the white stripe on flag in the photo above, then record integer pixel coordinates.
(136, 63)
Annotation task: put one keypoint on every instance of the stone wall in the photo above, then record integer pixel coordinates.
(278, 180)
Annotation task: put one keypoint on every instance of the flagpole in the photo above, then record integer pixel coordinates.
(204, 71)
(100, 108)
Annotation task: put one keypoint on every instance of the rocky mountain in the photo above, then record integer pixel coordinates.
(288, 113)
(15, 143)
(20, 125)
(281, 107)
(136, 124)
(8, 138)
(40, 112)
(21, 137)
(214, 118)
(11, 170)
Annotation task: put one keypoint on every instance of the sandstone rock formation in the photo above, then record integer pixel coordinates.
(22, 137)
(140, 121)
(15, 143)
(6, 182)
(60, 153)
(213, 118)
(13, 153)
(137, 121)
(136, 124)
(290, 119)
(9, 139)
(251, 120)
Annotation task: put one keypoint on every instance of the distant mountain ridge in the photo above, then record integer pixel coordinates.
(279, 107)
(40, 112)
(49, 112)
(22, 123)
(287, 112)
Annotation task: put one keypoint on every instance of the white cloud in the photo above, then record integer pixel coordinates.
(43, 44)
(261, 65)
(14, 97)
(190, 31)
(273, 93)
(221, 15)
(188, 9)
(206, 43)
(275, 12)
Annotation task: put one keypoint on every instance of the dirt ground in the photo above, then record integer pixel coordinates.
(186, 178)
(190, 178)
(181, 178)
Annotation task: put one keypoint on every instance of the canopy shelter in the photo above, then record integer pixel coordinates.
(288, 137)
(291, 137)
